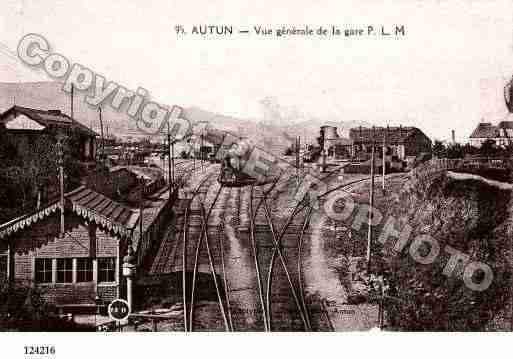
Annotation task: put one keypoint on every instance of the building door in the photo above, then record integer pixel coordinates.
(3, 267)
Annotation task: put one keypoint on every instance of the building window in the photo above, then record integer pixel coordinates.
(64, 270)
(43, 270)
(84, 270)
(107, 269)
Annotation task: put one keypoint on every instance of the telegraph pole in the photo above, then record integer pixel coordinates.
(201, 150)
(71, 110)
(194, 154)
(385, 135)
(298, 145)
(173, 161)
(141, 207)
(101, 133)
(169, 162)
(371, 204)
(60, 161)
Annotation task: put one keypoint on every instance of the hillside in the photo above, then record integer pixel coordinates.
(269, 132)
(469, 215)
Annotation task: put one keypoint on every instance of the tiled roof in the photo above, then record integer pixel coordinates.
(506, 124)
(88, 204)
(50, 118)
(151, 210)
(485, 130)
(394, 134)
(95, 207)
(103, 210)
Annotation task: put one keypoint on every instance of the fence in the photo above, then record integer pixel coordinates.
(483, 166)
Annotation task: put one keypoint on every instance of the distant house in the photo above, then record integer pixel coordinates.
(341, 148)
(502, 134)
(29, 157)
(404, 142)
(23, 126)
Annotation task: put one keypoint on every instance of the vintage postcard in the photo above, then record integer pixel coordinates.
(170, 166)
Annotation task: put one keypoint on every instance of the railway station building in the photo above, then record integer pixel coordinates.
(80, 268)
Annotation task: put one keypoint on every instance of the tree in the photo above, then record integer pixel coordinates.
(31, 177)
(488, 149)
(288, 151)
(454, 151)
(439, 149)
(23, 308)
(470, 150)
(506, 151)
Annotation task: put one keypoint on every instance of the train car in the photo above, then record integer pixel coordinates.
(230, 175)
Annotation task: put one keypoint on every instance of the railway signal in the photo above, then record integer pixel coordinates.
(371, 204)
(119, 310)
(385, 138)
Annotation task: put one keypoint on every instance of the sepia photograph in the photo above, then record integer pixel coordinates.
(290, 167)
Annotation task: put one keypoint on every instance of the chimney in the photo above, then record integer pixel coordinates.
(453, 136)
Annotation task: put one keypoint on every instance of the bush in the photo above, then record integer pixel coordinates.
(22, 308)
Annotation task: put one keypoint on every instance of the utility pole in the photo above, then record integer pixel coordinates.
(101, 133)
(371, 204)
(385, 138)
(173, 161)
(298, 145)
(201, 150)
(194, 154)
(71, 110)
(169, 160)
(141, 207)
(323, 168)
(60, 161)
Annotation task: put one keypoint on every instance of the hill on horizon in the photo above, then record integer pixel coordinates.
(271, 132)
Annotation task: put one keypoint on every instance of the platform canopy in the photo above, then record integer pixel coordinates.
(88, 204)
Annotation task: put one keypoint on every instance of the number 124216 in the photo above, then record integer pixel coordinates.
(39, 350)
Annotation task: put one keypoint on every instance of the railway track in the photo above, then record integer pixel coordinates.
(250, 245)
(280, 234)
(182, 243)
(197, 213)
(249, 212)
(254, 294)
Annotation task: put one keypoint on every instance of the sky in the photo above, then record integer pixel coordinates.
(447, 73)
